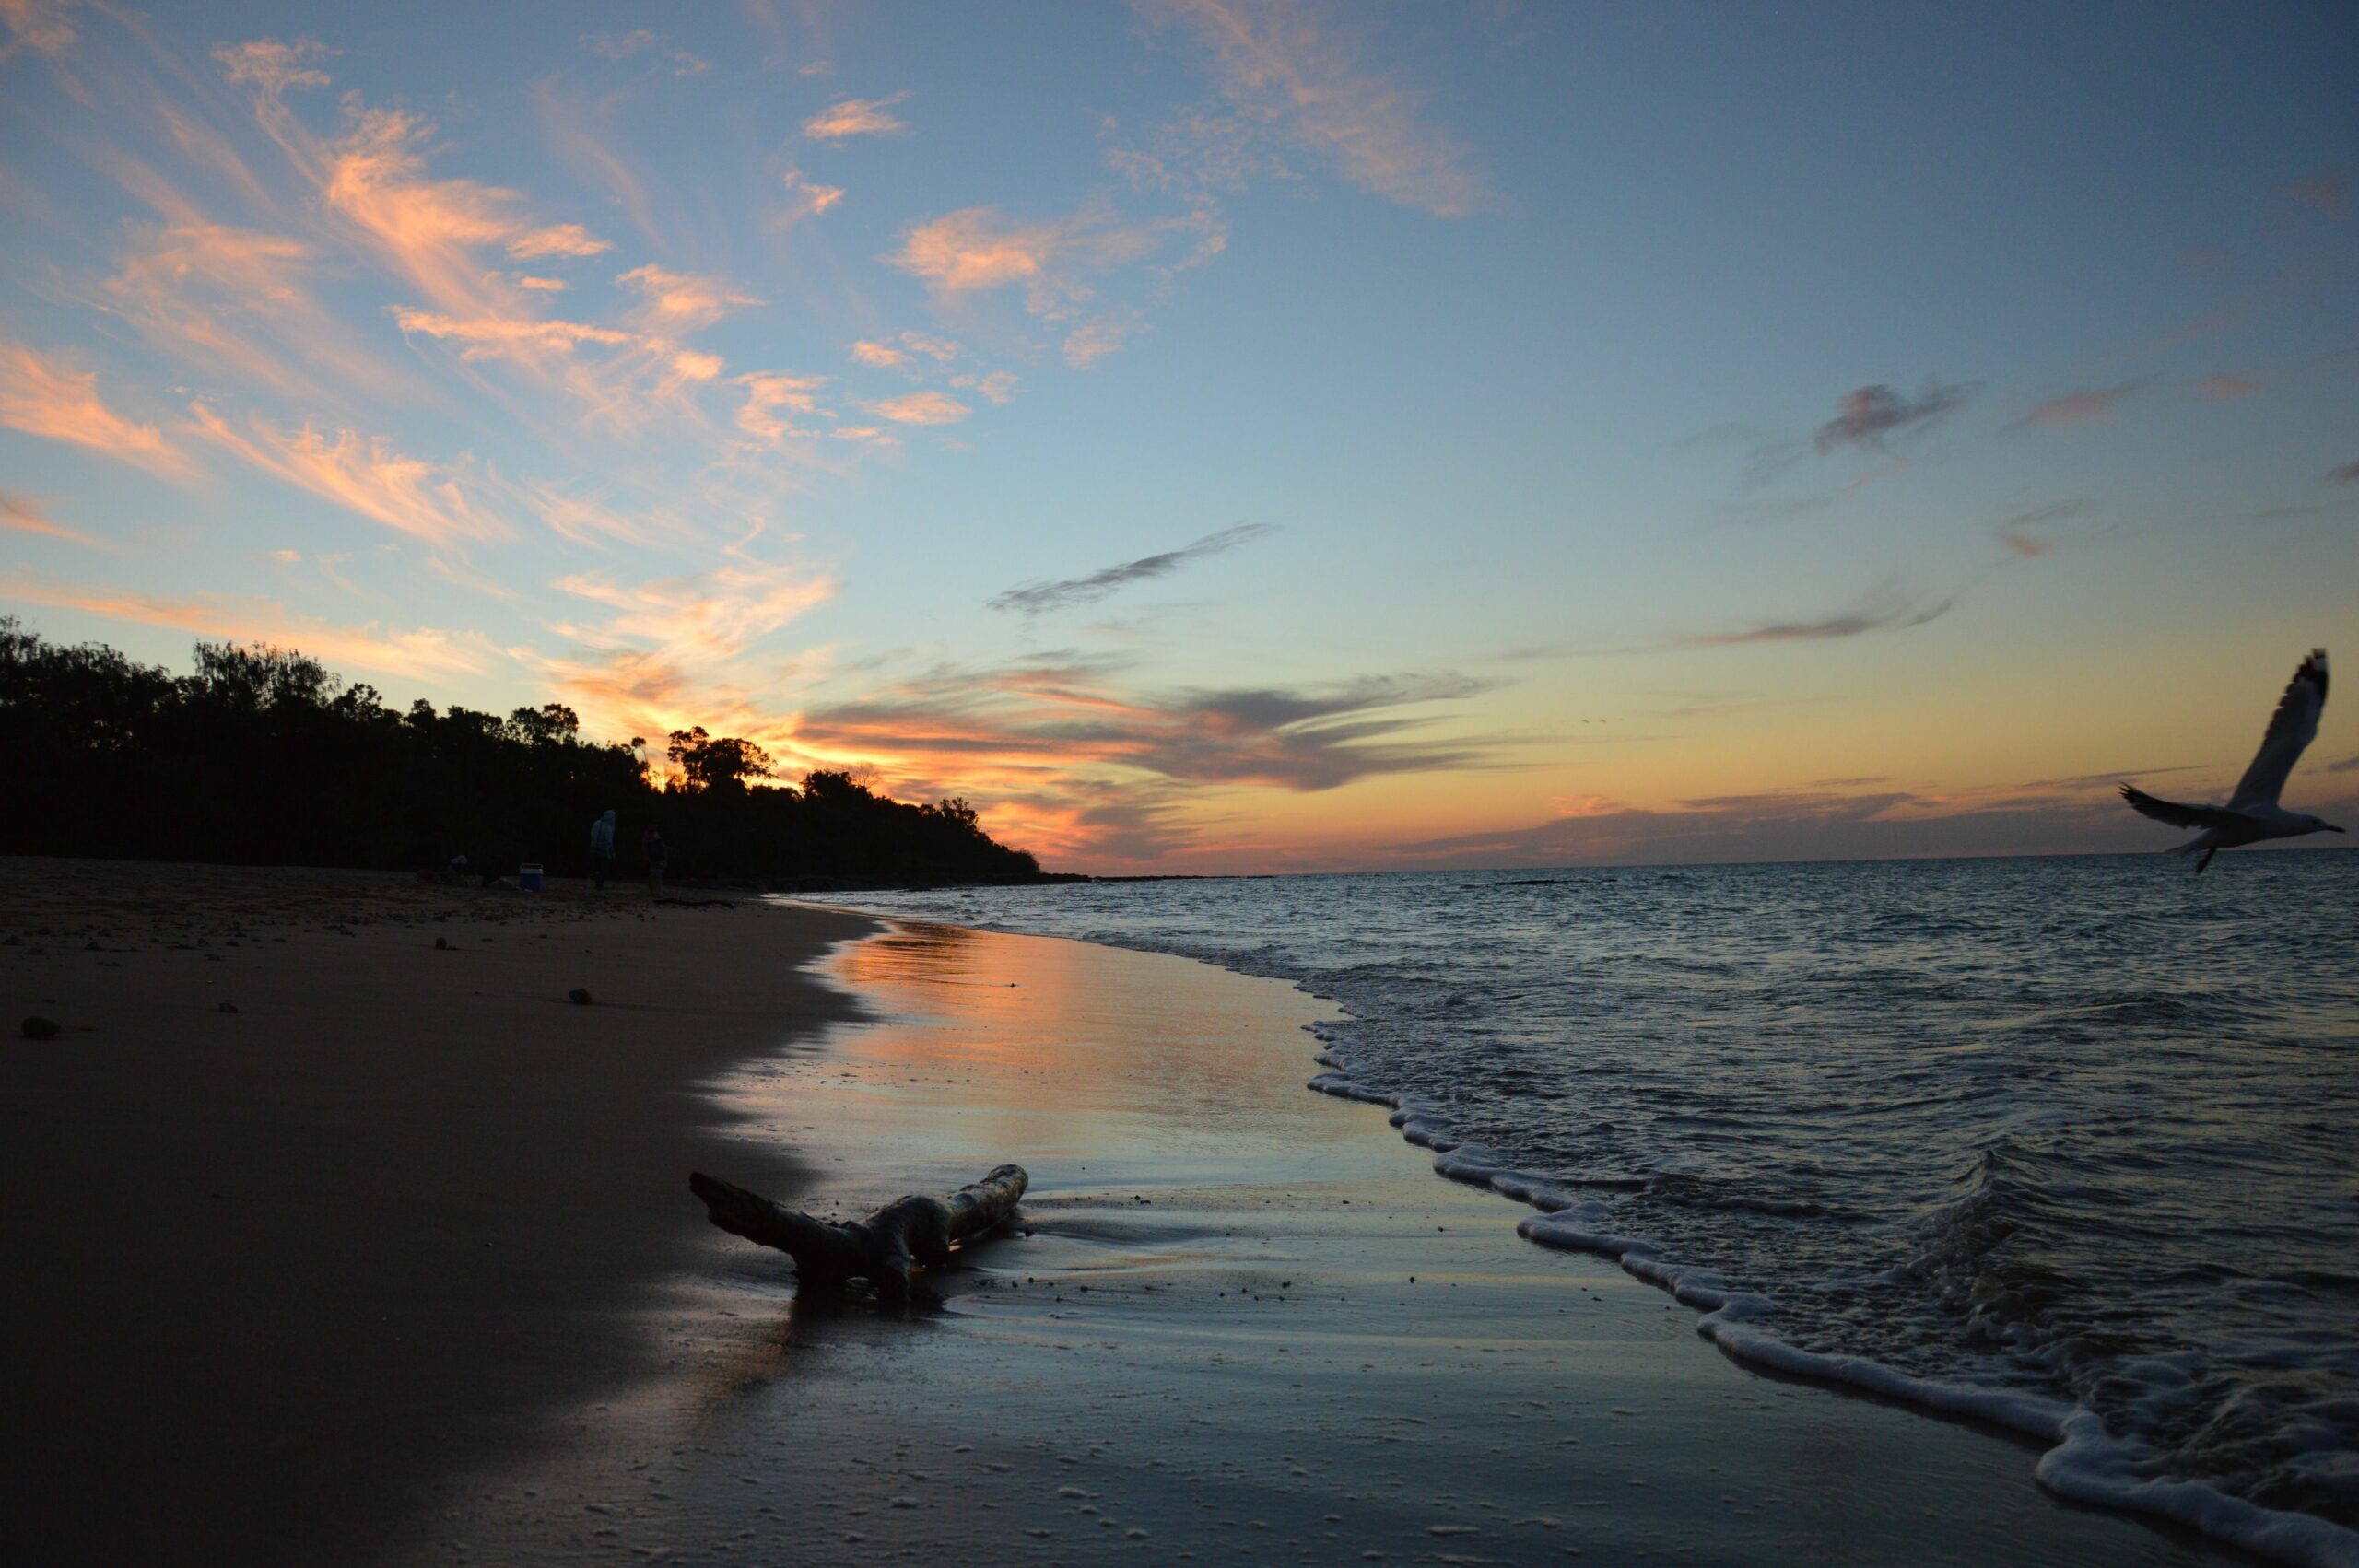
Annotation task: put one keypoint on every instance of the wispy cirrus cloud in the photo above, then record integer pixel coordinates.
(2091, 405)
(364, 476)
(1039, 598)
(44, 395)
(371, 177)
(1287, 68)
(857, 117)
(23, 514)
(2347, 474)
(1871, 415)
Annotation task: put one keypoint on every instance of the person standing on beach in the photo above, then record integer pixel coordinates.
(656, 852)
(601, 850)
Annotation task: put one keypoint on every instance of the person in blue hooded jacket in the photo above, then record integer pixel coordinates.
(601, 850)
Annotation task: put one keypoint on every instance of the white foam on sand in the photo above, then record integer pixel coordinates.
(2086, 1464)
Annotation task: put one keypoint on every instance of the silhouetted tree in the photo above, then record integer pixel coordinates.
(262, 754)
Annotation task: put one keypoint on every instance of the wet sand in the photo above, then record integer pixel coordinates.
(274, 1275)
(1248, 1323)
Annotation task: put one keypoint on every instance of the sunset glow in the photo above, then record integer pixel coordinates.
(1228, 434)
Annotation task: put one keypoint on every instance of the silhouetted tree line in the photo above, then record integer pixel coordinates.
(263, 757)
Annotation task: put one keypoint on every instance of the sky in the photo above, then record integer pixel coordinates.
(1230, 435)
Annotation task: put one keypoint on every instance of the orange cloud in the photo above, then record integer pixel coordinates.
(422, 653)
(557, 240)
(362, 476)
(45, 397)
(2023, 544)
(856, 117)
(880, 354)
(372, 179)
(920, 408)
(541, 285)
(1280, 67)
(271, 67)
(512, 336)
(2223, 389)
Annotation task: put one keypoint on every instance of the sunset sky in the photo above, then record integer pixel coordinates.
(1230, 435)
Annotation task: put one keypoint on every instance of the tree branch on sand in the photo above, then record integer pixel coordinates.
(909, 1232)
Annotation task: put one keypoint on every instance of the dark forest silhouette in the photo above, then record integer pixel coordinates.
(263, 757)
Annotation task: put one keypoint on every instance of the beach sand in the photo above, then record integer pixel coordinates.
(1248, 1323)
(274, 1275)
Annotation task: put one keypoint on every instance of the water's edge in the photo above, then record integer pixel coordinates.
(2084, 1462)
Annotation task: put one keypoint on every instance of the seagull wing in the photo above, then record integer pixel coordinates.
(2178, 815)
(2291, 729)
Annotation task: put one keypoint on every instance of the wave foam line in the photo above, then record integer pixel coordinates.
(2085, 1463)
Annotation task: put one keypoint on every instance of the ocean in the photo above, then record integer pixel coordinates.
(2070, 1144)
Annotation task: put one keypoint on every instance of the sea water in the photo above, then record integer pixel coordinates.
(2067, 1143)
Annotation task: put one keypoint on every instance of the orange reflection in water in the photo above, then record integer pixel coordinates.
(1071, 1054)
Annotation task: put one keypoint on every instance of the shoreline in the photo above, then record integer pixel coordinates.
(1235, 1324)
(288, 1267)
(2076, 1458)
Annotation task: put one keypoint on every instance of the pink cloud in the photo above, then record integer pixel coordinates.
(47, 397)
(980, 249)
(807, 198)
(2222, 389)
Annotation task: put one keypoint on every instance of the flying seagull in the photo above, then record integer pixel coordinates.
(2252, 813)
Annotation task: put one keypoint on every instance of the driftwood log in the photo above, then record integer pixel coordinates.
(885, 1247)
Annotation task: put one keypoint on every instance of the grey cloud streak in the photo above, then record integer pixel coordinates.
(1054, 716)
(1038, 598)
(1881, 610)
(1865, 417)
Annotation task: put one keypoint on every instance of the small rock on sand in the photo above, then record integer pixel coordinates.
(38, 1028)
(579, 995)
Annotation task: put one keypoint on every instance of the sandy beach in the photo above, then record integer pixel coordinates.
(277, 1272)
(395, 1263)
